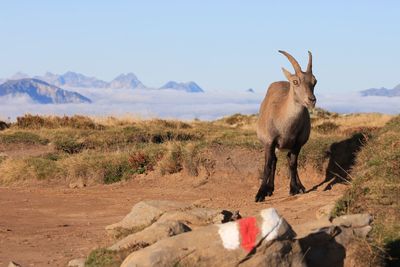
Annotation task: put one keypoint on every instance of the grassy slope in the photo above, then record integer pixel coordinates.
(376, 189)
(110, 150)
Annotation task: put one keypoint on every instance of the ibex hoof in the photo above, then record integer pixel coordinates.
(296, 191)
(260, 197)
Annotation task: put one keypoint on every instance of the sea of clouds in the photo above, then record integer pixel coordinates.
(147, 103)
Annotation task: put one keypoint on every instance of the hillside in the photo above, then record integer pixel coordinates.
(40, 92)
(101, 167)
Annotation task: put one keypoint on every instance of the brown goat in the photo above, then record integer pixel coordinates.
(284, 123)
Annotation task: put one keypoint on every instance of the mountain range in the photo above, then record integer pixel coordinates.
(382, 92)
(40, 92)
(50, 88)
(191, 87)
(127, 81)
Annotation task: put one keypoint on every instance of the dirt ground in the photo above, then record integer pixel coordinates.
(48, 226)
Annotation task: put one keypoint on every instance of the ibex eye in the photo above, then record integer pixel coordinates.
(295, 82)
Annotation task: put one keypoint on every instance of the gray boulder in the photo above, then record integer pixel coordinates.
(157, 231)
(144, 214)
(222, 245)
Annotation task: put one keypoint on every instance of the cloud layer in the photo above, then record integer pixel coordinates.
(148, 103)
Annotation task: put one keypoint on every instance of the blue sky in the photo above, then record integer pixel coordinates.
(229, 45)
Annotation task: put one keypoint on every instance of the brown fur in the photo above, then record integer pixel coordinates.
(284, 123)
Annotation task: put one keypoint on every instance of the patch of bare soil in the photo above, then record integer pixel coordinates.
(48, 226)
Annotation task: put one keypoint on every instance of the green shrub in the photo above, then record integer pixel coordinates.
(140, 162)
(375, 189)
(35, 122)
(22, 138)
(327, 127)
(103, 257)
(116, 171)
(42, 168)
(172, 160)
(68, 145)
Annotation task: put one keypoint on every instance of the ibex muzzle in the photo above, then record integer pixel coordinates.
(303, 83)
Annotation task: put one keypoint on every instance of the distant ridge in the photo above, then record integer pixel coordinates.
(382, 92)
(41, 92)
(72, 79)
(129, 80)
(190, 87)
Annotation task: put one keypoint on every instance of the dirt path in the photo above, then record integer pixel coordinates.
(50, 226)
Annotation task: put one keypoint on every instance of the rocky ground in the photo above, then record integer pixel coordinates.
(48, 226)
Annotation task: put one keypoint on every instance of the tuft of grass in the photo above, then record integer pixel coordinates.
(103, 257)
(239, 120)
(143, 161)
(68, 145)
(42, 168)
(116, 171)
(192, 159)
(376, 190)
(326, 127)
(101, 167)
(22, 137)
(172, 160)
(322, 113)
(36, 122)
(13, 170)
(316, 152)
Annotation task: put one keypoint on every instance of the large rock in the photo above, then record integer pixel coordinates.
(144, 214)
(151, 234)
(223, 244)
(197, 216)
(326, 247)
(327, 242)
(358, 222)
(353, 220)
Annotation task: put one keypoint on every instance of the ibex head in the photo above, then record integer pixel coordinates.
(302, 83)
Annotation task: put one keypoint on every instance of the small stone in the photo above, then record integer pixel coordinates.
(77, 184)
(79, 262)
(13, 264)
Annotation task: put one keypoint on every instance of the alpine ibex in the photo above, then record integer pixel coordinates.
(284, 123)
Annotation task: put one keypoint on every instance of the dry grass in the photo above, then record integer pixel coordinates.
(376, 190)
(35, 122)
(363, 120)
(106, 150)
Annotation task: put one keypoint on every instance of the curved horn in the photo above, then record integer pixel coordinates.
(294, 62)
(309, 67)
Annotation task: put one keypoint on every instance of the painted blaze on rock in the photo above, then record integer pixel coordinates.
(248, 232)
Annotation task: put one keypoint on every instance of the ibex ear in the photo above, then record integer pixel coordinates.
(287, 73)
